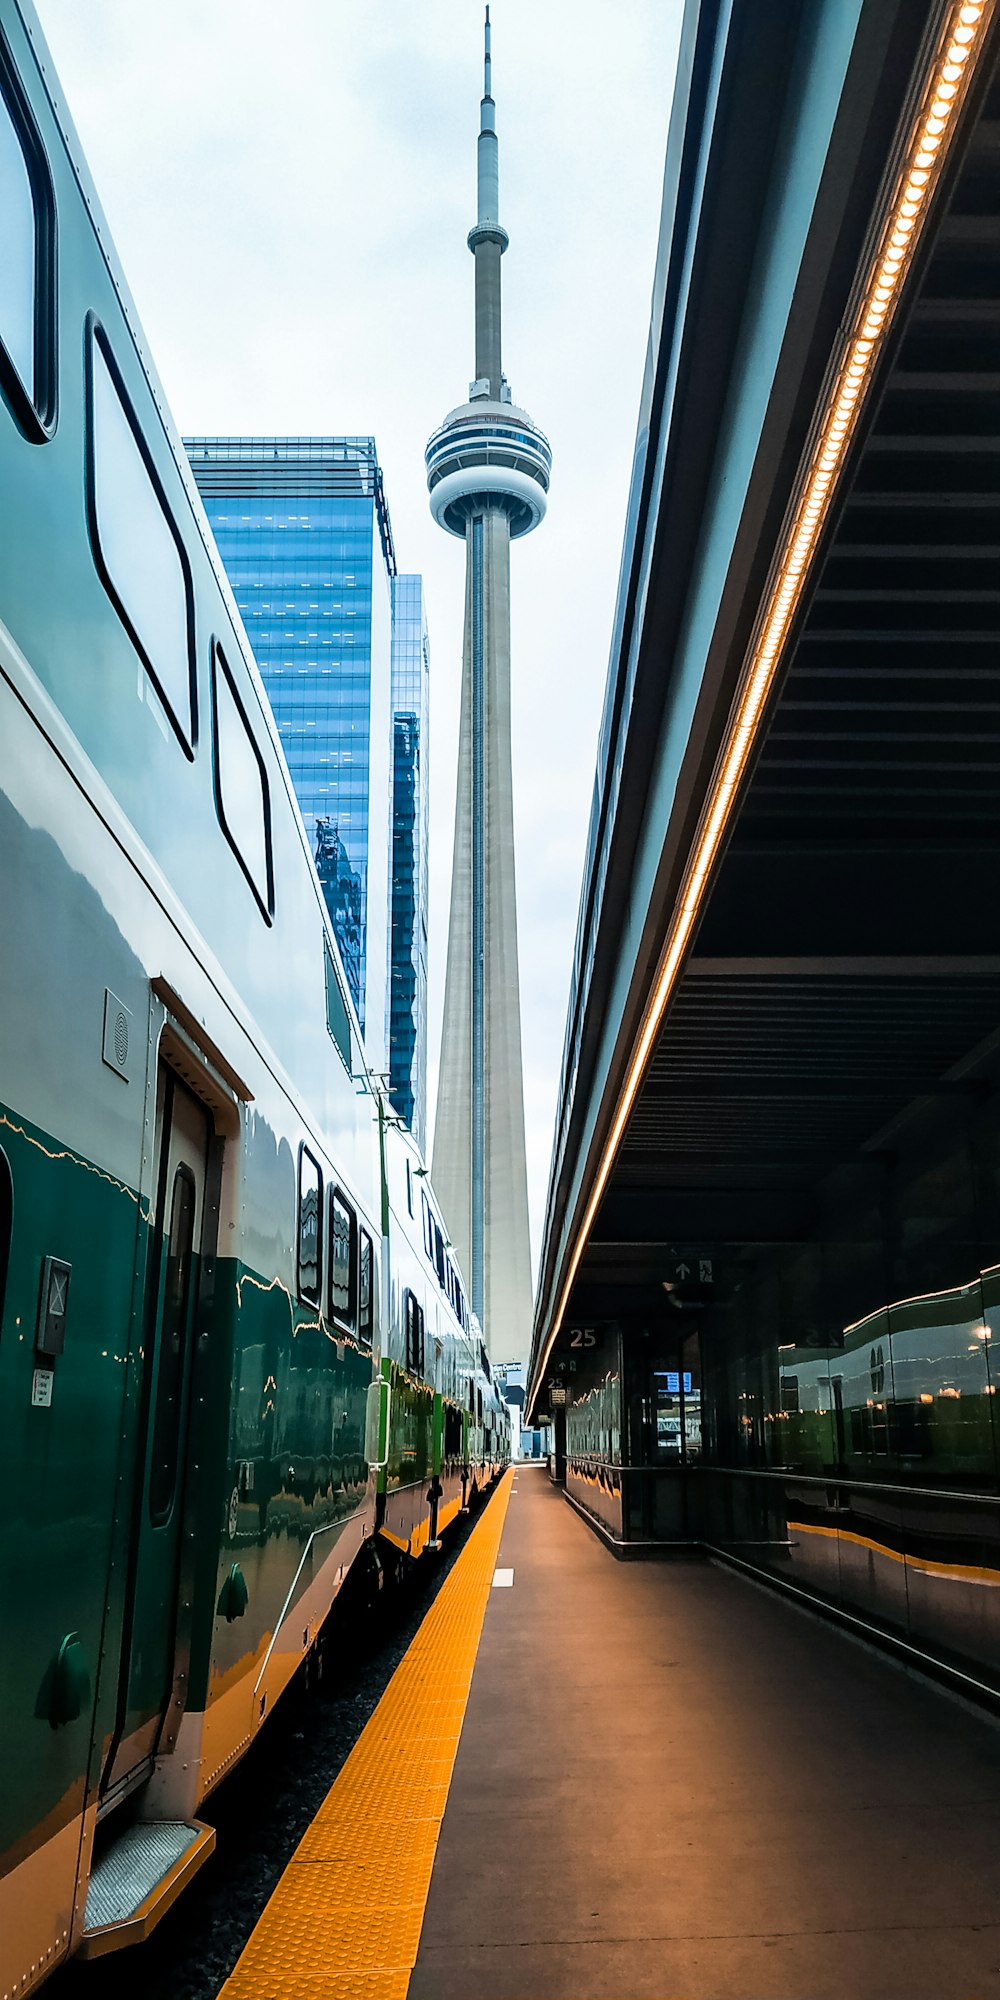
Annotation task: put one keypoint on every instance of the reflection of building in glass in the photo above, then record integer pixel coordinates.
(410, 833)
(342, 889)
(303, 530)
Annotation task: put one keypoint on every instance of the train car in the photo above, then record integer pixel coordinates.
(198, 1292)
(436, 1381)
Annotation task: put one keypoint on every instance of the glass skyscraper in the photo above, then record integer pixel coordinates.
(410, 834)
(303, 530)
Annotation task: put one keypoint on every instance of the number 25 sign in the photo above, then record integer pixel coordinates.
(583, 1336)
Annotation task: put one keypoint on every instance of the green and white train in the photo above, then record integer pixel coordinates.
(235, 1352)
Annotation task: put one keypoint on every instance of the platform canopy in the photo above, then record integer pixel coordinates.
(789, 937)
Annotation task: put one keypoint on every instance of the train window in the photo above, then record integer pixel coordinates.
(366, 1288)
(338, 1019)
(310, 1226)
(343, 1255)
(241, 793)
(138, 550)
(27, 261)
(414, 1336)
(173, 1344)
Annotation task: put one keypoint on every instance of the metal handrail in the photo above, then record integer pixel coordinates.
(888, 1487)
(789, 1477)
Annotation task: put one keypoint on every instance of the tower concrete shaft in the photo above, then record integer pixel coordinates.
(479, 1164)
(488, 473)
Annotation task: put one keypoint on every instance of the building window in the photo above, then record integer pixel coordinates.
(414, 1336)
(138, 550)
(343, 1250)
(338, 1019)
(241, 793)
(310, 1226)
(366, 1288)
(27, 261)
(409, 1187)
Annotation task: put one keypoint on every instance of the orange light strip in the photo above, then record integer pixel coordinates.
(953, 64)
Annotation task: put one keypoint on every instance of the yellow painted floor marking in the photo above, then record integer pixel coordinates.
(344, 1921)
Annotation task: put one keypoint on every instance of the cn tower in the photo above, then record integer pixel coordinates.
(488, 474)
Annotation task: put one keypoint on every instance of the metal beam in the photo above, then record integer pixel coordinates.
(859, 967)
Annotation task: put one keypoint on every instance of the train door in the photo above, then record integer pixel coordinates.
(146, 1681)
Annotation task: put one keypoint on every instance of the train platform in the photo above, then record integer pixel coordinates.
(591, 1780)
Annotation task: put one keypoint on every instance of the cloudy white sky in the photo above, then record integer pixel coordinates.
(290, 190)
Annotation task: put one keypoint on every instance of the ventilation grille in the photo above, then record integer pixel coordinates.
(117, 1018)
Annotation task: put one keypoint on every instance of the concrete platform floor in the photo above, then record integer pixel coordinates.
(672, 1785)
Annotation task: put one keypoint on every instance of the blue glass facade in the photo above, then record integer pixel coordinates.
(410, 834)
(303, 530)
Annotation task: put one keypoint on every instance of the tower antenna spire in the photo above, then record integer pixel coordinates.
(488, 240)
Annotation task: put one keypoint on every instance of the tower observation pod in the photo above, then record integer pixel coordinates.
(488, 476)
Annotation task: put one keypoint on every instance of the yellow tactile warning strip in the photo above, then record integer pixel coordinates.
(344, 1921)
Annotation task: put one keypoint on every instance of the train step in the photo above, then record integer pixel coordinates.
(135, 1880)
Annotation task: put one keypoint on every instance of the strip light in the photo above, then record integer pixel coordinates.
(954, 61)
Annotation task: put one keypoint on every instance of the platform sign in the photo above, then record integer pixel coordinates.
(689, 1277)
(691, 1267)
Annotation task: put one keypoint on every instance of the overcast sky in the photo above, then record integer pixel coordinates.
(290, 189)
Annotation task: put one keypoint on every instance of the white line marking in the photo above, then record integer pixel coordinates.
(503, 1579)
